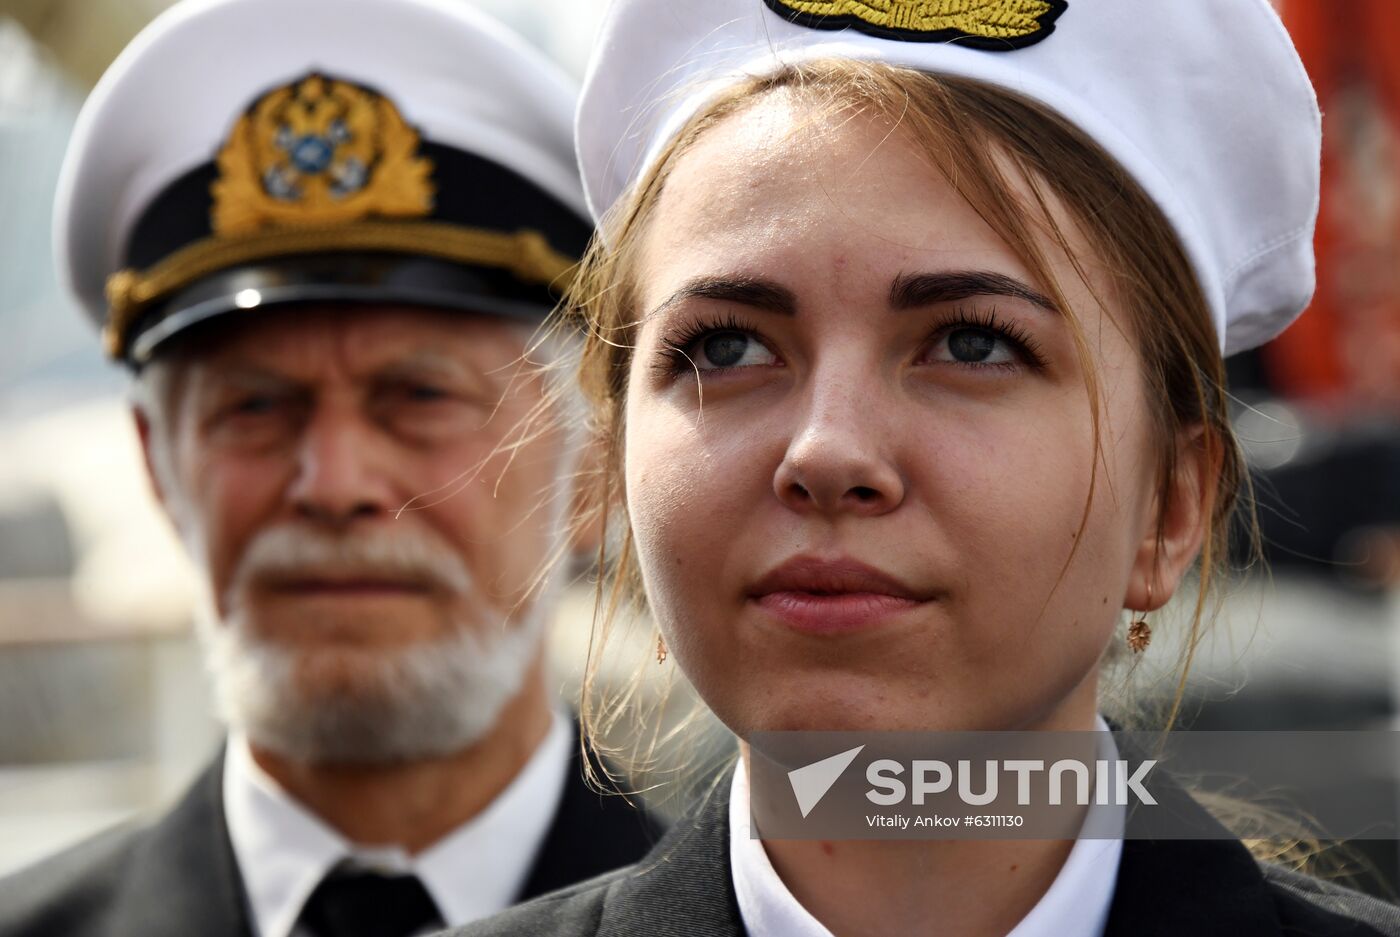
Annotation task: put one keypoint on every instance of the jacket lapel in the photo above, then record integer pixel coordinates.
(1210, 886)
(684, 886)
(1205, 888)
(182, 877)
(592, 833)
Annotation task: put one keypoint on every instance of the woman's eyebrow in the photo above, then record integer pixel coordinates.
(746, 291)
(912, 290)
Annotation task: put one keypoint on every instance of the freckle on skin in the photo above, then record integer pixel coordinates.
(1014, 867)
(830, 850)
(1105, 600)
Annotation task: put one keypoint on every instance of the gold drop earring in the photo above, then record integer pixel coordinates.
(1140, 632)
(660, 649)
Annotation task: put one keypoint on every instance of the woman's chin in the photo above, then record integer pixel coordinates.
(866, 706)
(862, 711)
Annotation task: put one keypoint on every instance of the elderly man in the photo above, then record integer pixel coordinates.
(321, 233)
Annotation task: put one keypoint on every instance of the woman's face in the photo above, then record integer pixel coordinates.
(859, 446)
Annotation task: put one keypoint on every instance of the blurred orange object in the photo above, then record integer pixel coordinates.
(1345, 350)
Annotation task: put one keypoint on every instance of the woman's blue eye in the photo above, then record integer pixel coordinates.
(971, 344)
(976, 346)
(726, 349)
(729, 350)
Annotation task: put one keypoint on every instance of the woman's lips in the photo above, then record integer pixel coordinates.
(833, 596)
(833, 613)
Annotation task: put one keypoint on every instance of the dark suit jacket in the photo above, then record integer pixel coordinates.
(1182, 888)
(178, 877)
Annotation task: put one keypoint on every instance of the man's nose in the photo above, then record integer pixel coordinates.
(340, 473)
(839, 459)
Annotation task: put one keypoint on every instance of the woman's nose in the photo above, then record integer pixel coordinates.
(837, 462)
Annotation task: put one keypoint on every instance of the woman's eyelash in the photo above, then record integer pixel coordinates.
(675, 346)
(676, 355)
(1014, 334)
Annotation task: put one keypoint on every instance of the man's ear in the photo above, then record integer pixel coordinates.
(1173, 537)
(145, 432)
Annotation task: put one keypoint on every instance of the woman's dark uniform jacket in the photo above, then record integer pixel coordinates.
(1166, 888)
(178, 877)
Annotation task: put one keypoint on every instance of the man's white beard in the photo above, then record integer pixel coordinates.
(426, 699)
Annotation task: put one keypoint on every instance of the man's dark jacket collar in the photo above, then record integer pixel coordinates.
(179, 876)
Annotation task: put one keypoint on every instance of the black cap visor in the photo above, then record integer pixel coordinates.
(330, 278)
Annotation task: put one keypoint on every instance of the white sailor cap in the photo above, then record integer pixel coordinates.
(1204, 102)
(258, 153)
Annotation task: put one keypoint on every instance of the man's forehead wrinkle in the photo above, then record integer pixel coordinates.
(246, 374)
(316, 349)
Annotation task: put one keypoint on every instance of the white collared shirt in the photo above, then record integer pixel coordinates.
(283, 850)
(1076, 904)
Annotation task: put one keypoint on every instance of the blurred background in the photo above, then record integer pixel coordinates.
(103, 708)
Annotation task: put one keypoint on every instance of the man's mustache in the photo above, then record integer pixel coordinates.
(409, 556)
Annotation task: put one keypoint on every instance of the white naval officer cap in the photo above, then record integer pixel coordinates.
(256, 154)
(1204, 102)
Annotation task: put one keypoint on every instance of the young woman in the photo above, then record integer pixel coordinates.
(905, 339)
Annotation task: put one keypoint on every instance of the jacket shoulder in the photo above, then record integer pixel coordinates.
(150, 880)
(680, 888)
(1314, 906)
(575, 911)
(595, 830)
(68, 893)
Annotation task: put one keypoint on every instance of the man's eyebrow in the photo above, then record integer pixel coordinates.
(426, 361)
(244, 376)
(746, 291)
(911, 290)
(434, 365)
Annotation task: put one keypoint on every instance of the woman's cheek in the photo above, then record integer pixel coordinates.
(665, 502)
(1012, 503)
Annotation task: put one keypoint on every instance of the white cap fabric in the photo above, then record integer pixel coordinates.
(171, 98)
(1204, 102)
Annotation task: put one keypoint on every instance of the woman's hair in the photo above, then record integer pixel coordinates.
(1002, 147)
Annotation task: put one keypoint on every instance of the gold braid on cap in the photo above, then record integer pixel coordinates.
(322, 165)
(1009, 23)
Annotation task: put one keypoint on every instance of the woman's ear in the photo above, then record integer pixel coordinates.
(1175, 531)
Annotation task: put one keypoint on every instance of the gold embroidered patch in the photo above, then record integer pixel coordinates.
(319, 151)
(995, 25)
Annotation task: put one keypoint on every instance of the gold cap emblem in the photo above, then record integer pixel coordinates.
(319, 151)
(985, 24)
